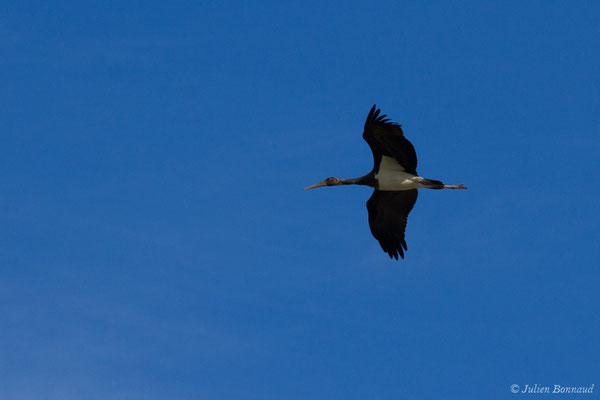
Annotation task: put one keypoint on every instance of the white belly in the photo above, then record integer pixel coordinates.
(398, 181)
(392, 176)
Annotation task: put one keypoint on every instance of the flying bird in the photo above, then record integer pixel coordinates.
(395, 179)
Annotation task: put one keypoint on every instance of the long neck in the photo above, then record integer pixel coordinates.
(366, 180)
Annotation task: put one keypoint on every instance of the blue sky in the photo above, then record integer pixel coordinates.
(155, 242)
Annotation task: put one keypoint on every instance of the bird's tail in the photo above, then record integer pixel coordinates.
(433, 184)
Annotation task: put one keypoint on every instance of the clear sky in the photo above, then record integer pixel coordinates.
(155, 242)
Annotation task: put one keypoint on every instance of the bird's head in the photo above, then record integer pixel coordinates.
(332, 181)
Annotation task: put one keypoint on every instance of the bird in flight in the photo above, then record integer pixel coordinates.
(395, 179)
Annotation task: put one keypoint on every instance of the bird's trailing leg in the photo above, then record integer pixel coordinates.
(459, 186)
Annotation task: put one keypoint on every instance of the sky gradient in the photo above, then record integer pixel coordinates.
(156, 243)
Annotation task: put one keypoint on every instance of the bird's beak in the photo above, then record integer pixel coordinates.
(316, 185)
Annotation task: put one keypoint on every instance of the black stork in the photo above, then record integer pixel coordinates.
(395, 179)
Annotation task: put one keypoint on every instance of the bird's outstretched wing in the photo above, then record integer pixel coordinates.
(387, 139)
(388, 212)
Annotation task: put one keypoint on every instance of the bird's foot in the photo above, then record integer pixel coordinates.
(459, 186)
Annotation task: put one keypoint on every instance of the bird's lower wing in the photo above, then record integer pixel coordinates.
(388, 213)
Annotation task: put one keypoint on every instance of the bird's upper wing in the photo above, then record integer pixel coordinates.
(387, 139)
(388, 212)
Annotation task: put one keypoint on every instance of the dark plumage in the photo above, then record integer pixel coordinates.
(387, 139)
(388, 213)
(395, 179)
